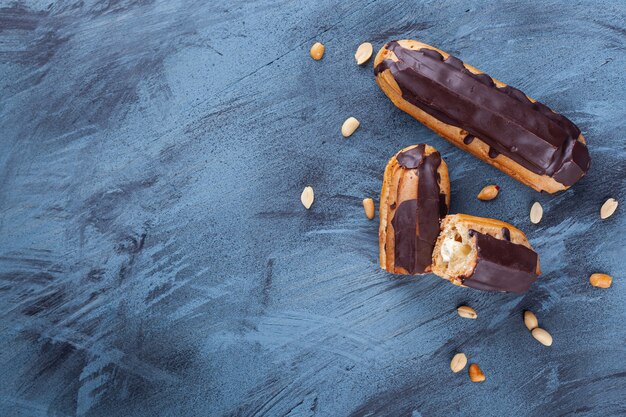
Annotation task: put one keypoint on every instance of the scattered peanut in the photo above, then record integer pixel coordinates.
(467, 312)
(600, 280)
(349, 126)
(536, 213)
(489, 192)
(363, 53)
(317, 51)
(458, 362)
(608, 208)
(475, 373)
(530, 320)
(307, 197)
(368, 206)
(542, 336)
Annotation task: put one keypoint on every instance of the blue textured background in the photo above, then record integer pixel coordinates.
(155, 258)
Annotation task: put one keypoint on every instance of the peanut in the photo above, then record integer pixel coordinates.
(349, 126)
(368, 206)
(530, 320)
(608, 208)
(542, 336)
(317, 51)
(307, 197)
(467, 312)
(600, 280)
(475, 373)
(458, 362)
(536, 213)
(363, 53)
(489, 192)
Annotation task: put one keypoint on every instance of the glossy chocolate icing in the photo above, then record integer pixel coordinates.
(501, 265)
(416, 222)
(527, 132)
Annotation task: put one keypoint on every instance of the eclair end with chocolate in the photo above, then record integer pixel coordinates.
(414, 198)
(501, 265)
(485, 254)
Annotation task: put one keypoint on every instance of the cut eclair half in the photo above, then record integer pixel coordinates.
(415, 197)
(485, 254)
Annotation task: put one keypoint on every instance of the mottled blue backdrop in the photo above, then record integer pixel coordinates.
(155, 258)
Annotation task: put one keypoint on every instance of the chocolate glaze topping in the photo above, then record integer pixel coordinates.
(506, 233)
(416, 222)
(527, 132)
(468, 139)
(502, 265)
(443, 207)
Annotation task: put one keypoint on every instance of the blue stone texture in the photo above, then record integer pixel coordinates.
(155, 259)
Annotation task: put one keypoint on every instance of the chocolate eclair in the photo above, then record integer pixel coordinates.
(485, 254)
(493, 121)
(415, 197)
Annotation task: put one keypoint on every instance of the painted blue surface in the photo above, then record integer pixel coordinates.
(155, 258)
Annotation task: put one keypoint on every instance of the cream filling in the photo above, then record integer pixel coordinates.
(454, 253)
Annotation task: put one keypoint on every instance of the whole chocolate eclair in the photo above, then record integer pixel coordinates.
(495, 122)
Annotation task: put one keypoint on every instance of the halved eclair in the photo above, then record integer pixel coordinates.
(485, 254)
(414, 198)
